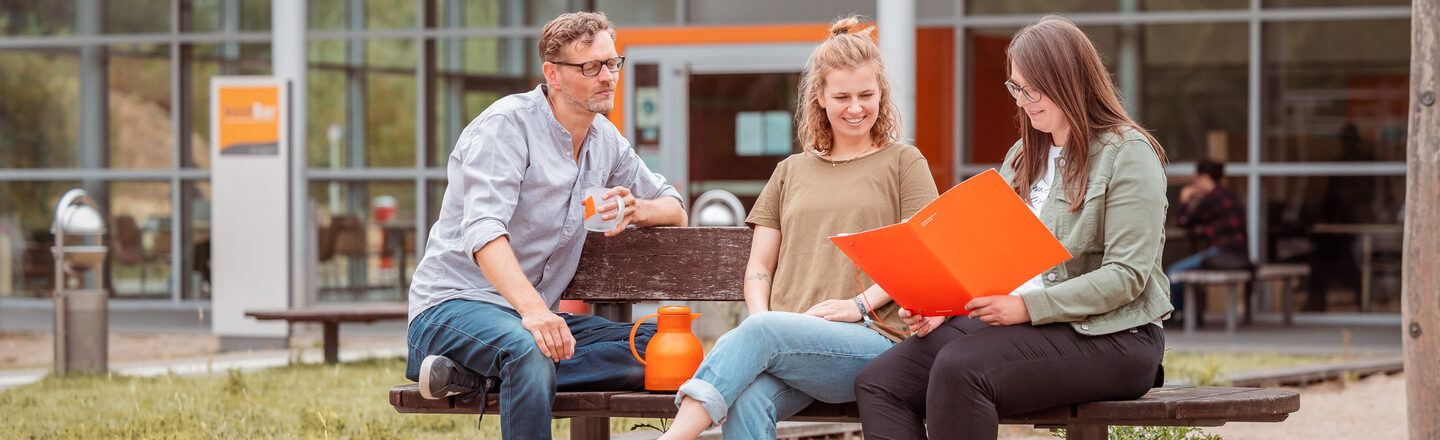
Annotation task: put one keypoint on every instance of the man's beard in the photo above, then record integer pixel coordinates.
(596, 104)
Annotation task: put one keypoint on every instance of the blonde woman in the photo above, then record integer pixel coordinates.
(1086, 329)
(807, 334)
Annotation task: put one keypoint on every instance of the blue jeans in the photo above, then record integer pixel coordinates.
(1177, 292)
(774, 365)
(489, 339)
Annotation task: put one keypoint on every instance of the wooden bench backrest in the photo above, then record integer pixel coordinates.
(672, 264)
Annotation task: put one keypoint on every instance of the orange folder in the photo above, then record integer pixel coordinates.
(977, 239)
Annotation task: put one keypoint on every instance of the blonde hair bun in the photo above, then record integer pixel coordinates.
(848, 25)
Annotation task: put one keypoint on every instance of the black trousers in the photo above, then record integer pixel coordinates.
(967, 374)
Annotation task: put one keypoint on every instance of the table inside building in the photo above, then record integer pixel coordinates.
(1366, 232)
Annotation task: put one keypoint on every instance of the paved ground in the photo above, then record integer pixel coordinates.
(151, 339)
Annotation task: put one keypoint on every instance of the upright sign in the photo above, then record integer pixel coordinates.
(250, 210)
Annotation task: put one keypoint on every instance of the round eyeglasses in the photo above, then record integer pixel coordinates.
(1031, 93)
(592, 68)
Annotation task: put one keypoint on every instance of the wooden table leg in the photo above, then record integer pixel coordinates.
(1231, 303)
(332, 341)
(1287, 290)
(593, 428)
(1251, 300)
(1190, 312)
(1365, 246)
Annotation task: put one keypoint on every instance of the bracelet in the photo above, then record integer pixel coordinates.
(860, 305)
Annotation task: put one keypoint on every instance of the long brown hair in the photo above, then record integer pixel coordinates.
(845, 48)
(1057, 58)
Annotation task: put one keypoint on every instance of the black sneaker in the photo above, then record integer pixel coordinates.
(441, 377)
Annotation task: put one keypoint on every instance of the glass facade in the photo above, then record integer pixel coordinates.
(1330, 97)
(113, 96)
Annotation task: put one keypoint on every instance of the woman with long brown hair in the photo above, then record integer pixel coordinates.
(1087, 329)
(807, 334)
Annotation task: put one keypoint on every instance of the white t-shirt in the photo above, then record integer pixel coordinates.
(1039, 193)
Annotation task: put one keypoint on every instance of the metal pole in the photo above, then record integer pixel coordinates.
(287, 20)
(896, 19)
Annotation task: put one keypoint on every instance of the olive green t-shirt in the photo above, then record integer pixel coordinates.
(809, 199)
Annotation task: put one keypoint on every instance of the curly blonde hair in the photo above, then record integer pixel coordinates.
(569, 28)
(847, 47)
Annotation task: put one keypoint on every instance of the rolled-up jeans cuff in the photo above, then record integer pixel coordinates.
(709, 398)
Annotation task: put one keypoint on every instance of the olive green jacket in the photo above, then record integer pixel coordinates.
(1113, 281)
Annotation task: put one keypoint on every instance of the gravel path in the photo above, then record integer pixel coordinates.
(1372, 408)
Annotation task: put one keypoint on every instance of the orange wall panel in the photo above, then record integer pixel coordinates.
(992, 112)
(935, 101)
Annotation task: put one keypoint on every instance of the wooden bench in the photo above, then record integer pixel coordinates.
(1288, 277)
(1236, 282)
(330, 319)
(707, 264)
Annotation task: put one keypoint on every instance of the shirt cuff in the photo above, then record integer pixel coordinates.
(482, 233)
(1038, 306)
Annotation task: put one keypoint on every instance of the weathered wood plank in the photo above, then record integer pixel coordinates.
(406, 399)
(699, 264)
(1420, 280)
(663, 405)
(359, 313)
(1270, 271)
(1167, 406)
(1240, 402)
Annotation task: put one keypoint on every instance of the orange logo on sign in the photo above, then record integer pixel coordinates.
(249, 120)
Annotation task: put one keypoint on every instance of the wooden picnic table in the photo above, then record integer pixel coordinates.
(331, 317)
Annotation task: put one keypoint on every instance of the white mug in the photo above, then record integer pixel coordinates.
(594, 202)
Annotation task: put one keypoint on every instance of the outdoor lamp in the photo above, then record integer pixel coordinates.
(76, 216)
(81, 320)
(717, 207)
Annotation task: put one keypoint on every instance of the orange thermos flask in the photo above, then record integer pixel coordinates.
(673, 353)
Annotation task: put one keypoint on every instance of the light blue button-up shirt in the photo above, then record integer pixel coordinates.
(512, 173)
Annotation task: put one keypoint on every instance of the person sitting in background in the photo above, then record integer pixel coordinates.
(1219, 215)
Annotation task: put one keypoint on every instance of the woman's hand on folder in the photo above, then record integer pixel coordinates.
(999, 310)
(842, 310)
(920, 324)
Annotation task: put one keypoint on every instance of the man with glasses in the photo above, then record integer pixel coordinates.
(484, 298)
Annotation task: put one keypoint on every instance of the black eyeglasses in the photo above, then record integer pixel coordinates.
(592, 68)
(1031, 94)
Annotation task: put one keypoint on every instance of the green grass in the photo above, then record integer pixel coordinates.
(332, 402)
(303, 401)
(1204, 368)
